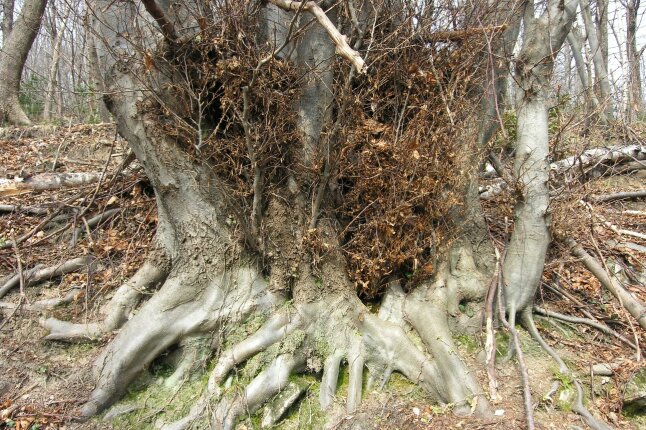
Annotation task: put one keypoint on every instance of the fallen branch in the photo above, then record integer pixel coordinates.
(25, 209)
(46, 181)
(93, 222)
(39, 274)
(577, 320)
(626, 299)
(598, 155)
(585, 160)
(45, 304)
(341, 41)
(611, 226)
(605, 198)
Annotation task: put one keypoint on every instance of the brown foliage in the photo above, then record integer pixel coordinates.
(402, 139)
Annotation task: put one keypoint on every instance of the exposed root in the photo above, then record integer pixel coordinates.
(39, 274)
(522, 367)
(578, 407)
(93, 222)
(274, 411)
(184, 306)
(262, 388)
(336, 330)
(194, 353)
(117, 311)
(603, 328)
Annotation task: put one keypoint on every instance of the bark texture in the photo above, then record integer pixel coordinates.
(525, 255)
(289, 274)
(12, 60)
(7, 19)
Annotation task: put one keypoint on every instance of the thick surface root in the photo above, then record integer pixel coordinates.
(322, 336)
(182, 308)
(117, 312)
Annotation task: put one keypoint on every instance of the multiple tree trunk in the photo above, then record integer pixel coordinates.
(212, 277)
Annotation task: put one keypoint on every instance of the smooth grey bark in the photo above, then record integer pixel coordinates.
(7, 18)
(600, 67)
(315, 55)
(634, 90)
(525, 255)
(13, 57)
(574, 39)
(601, 19)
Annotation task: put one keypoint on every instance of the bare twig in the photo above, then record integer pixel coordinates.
(342, 47)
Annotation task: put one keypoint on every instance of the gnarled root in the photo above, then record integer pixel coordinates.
(323, 335)
(117, 311)
(183, 307)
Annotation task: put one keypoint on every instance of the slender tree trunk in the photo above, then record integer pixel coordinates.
(574, 39)
(600, 67)
(602, 29)
(97, 87)
(52, 80)
(634, 90)
(7, 19)
(95, 77)
(13, 57)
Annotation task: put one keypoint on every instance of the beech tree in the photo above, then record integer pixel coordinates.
(13, 56)
(308, 157)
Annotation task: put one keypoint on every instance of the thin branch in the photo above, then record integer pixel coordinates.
(603, 328)
(157, 13)
(341, 41)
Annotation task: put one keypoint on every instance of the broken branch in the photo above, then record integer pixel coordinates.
(39, 274)
(340, 40)
(626, 299)
(46, 181)
(158, 14)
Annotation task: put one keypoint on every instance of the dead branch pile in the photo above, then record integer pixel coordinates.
(402, 138)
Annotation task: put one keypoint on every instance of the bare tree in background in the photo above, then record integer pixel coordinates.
(54, 88)
(634, 103)
(12, 60)
(600, 66)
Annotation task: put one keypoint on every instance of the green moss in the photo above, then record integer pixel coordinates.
(155, 401)
(293, 342)
(470, 343)
(401, 385)
(502, 344)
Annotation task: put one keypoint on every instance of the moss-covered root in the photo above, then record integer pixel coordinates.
(116, 312)
(578, 407)
(308, 337)
(168, 318)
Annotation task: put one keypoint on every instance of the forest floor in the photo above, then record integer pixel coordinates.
(42, 383)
